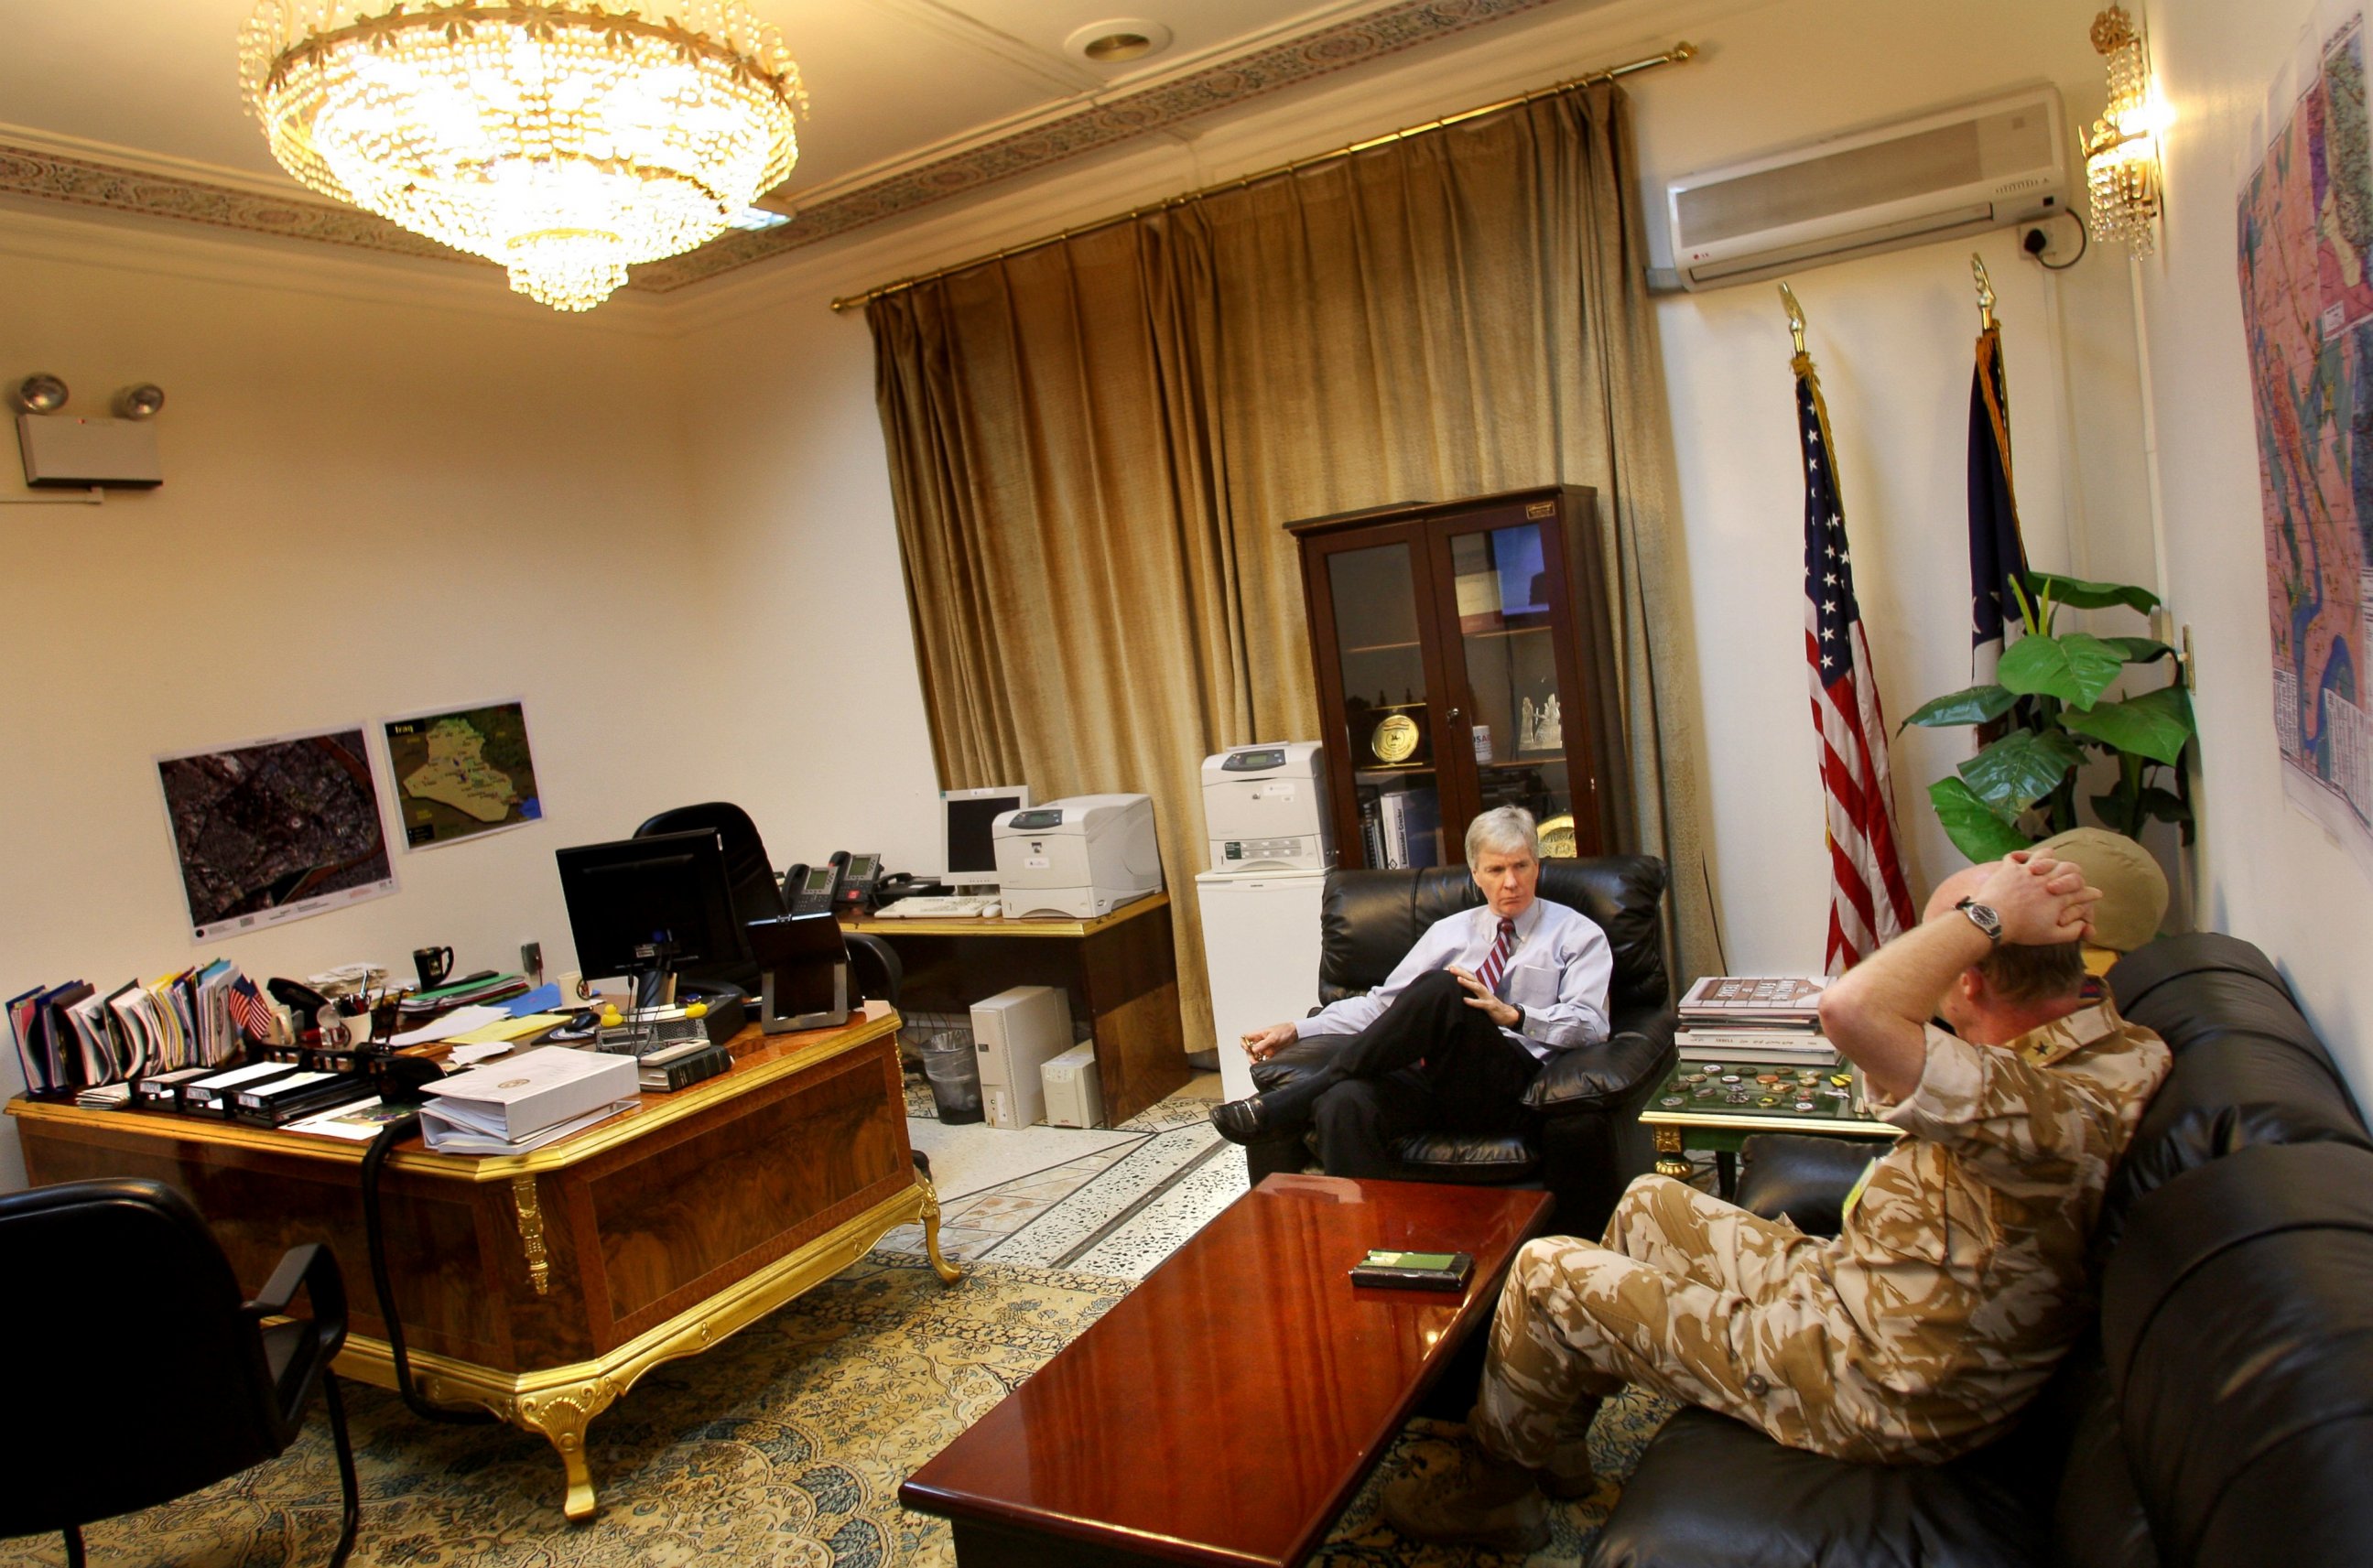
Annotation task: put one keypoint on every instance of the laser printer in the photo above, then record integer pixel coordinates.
(1082, 857)
(1265, 808)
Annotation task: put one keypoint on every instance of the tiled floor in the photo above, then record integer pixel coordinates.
(1115, 1211)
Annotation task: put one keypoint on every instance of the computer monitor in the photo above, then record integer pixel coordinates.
(970, 849)
(643, 905)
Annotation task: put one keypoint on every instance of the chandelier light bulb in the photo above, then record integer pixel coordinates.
(564, 141)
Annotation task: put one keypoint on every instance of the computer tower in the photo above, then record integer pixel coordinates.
(1074, 1098)
(1014, 1032)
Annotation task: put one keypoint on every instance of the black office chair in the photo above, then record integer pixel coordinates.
(138, 1375)
(758, 894)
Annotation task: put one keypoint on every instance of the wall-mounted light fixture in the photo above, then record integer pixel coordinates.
(64, 451)
(2121, 150)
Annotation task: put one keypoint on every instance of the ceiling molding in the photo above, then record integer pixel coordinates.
(46, 173)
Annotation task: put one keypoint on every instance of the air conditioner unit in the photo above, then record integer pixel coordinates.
(1986, 165)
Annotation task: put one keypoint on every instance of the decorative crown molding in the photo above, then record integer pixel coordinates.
(49, 175)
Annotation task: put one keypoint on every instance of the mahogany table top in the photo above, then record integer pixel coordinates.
(1228, 1408)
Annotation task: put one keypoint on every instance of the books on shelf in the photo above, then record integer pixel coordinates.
(1405, 830)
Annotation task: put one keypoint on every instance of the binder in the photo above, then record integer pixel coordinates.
(296, 1096)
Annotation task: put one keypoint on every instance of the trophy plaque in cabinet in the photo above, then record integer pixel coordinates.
(1465, 662)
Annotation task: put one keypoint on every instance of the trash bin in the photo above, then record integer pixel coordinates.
(954, 1074)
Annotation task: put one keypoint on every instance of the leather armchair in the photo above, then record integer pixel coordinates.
(141, 1375)
(1588, 1144)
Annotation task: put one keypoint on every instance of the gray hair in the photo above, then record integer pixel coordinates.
(1505, 829)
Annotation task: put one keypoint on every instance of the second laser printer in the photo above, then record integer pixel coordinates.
(1083, 857)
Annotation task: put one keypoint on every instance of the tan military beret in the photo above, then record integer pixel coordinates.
(2133, 890)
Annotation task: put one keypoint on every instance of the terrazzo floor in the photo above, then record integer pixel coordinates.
(1115, 1211)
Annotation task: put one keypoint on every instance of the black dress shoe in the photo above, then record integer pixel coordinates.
(1243, 1121)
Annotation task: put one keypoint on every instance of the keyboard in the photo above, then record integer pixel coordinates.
(965, 907)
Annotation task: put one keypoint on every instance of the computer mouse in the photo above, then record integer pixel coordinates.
(991, 911)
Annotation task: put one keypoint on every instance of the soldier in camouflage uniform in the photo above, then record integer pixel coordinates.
(1958, 1278)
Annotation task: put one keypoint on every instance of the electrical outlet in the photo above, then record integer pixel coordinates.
(531, 962)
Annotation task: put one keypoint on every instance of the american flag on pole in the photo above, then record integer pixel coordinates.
(1997, 555)
(249, 1009)
(1869, 902)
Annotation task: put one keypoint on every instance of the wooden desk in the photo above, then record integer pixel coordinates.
(541, 1285)
(1120, 971)
(1225, 1410)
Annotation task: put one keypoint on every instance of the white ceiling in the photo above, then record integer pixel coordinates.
(158, 79)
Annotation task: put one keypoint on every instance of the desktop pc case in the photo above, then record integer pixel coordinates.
(1074, 1094)
(1013, 1035)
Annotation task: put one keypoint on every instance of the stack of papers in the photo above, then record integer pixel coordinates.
(526, 1101)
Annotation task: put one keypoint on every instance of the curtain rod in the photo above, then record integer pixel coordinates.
(1678, 54)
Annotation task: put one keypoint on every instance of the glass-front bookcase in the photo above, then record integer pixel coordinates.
(1464, 662)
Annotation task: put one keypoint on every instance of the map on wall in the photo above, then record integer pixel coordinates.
(2306, 242)
(461, 773)
(276, 831)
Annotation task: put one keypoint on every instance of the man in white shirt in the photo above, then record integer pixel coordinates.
(1454, 1036)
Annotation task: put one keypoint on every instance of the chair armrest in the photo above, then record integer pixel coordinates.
(313, 1268)
(1621, 1069)
(1804, 1178)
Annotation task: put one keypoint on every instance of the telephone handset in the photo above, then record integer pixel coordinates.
(859, 875)
(813, 889)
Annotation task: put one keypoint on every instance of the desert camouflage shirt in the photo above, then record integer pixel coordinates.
(1962, 1263)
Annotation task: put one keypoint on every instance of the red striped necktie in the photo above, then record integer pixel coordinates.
(1496, 963)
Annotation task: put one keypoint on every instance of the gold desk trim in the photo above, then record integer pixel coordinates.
(557, 1402)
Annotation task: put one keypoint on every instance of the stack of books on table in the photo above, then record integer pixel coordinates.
(525, 1100)
(1755, 1018)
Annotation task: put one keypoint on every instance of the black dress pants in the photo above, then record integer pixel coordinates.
(1373, 1091)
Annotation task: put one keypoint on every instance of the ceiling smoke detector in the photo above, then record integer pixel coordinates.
(1117, 40)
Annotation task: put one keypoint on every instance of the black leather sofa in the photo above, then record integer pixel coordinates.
(2222, 1413)
(1588, 1144)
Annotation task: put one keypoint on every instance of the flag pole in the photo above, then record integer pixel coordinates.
(1985, 292)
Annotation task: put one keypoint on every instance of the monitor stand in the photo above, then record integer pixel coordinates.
(832, 1017)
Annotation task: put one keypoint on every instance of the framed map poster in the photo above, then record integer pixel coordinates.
(463, 772)
(2306, 255)
(275, 830)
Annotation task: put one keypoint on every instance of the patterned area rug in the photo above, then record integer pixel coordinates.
(785, 1445)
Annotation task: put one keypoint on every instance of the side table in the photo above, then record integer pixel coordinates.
(1716, 1106)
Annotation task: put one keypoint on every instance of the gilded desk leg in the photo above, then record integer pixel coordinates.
(947, 1272)
(1671, 1161)
(562, 1416)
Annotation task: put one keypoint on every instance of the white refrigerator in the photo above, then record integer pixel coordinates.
(1260, 950)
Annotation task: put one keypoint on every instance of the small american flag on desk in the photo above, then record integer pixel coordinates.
(1869, 902)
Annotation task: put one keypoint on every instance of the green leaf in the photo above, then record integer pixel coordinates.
(1974, 830)
(2020, 769)
(2075, 667)
(1972, 705)
(2117, 813)
(2140, 649)
(2078, 594)
(2156, 725)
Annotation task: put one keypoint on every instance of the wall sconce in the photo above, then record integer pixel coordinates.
(2122, 167)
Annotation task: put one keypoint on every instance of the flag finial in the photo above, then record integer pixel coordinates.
(1985, 292)
(1796, 316)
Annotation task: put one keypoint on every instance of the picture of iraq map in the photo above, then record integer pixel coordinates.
(463, 773)
(276, 831)
(2306, 241)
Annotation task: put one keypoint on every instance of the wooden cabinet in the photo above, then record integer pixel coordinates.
(1464, 662)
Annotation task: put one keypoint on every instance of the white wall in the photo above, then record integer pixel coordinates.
(792, 471)
(2267, 871)
(370, 507)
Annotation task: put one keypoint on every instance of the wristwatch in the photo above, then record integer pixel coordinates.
(1984, 917)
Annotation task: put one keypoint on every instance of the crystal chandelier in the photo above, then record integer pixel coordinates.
(2121, 149)
(561, 140)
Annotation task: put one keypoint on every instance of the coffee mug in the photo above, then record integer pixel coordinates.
(433, 964)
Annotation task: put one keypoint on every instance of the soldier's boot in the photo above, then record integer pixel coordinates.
(1483, 1502)
(1568, 1476)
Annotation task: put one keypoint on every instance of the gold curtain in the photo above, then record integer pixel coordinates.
(1094, 446)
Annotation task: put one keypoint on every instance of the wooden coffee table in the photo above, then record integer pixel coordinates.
(1226, 1409)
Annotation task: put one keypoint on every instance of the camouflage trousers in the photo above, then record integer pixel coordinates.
(1688, 1295)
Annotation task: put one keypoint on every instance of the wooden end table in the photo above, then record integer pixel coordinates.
(1227, 1409)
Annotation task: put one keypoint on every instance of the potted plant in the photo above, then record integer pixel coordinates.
(2047, 701)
